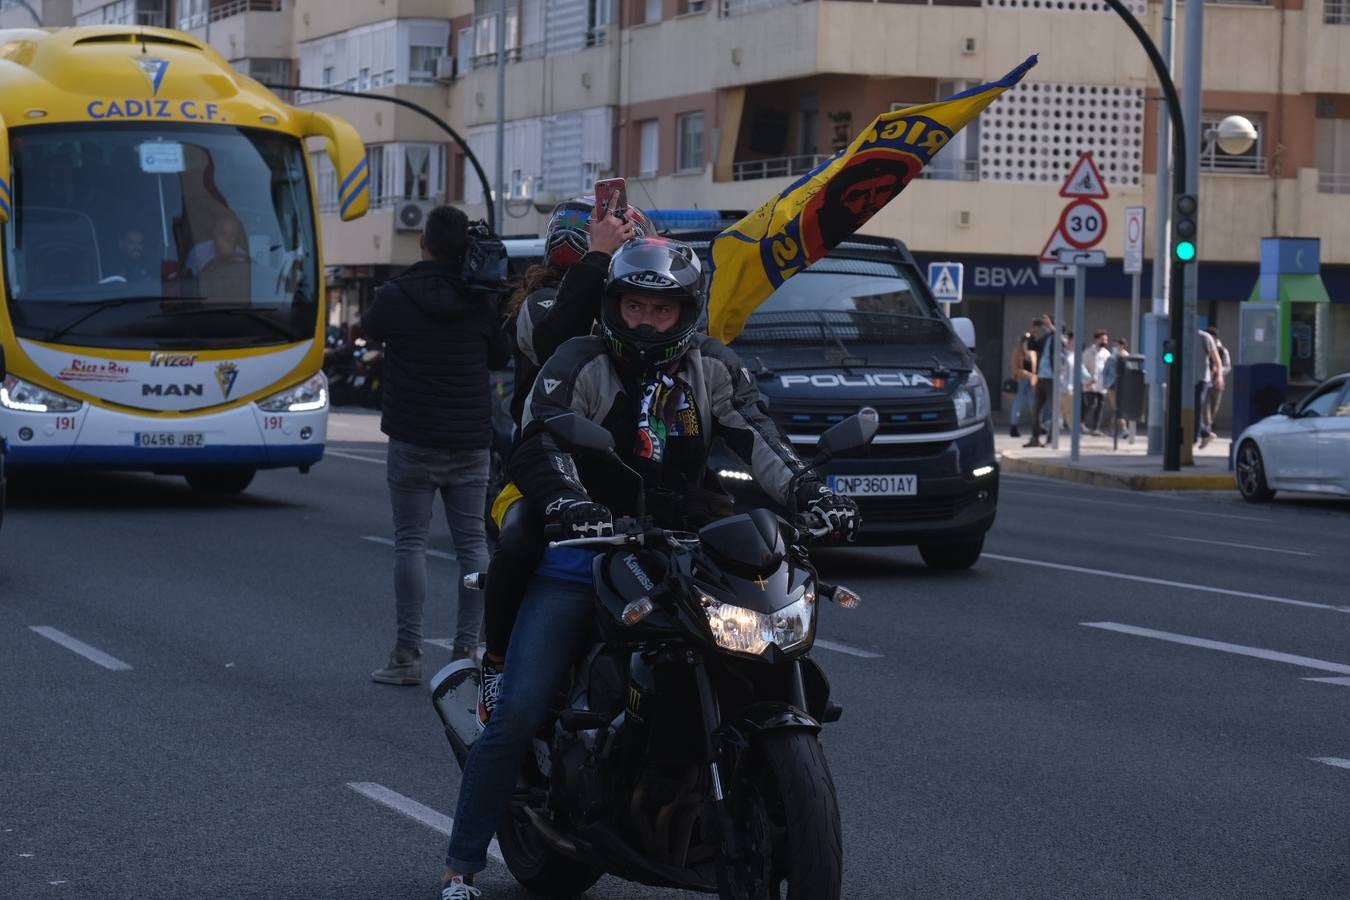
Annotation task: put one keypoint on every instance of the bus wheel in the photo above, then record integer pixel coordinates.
(221, 481)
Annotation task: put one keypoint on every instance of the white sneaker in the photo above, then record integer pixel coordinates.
(489, 692)
(457, 889)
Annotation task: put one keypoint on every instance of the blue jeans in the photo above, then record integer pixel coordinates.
(1022, 399)
(553, 630)
(416, 474)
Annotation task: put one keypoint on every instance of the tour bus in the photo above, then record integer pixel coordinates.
(163, 303)
(859, 331)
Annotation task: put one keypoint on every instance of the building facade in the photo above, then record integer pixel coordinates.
(720, 103)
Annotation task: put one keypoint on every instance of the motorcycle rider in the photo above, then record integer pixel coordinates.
(557, 300)
(664, 391)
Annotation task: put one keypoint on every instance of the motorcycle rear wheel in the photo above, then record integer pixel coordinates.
(788, 781)
(538, 867)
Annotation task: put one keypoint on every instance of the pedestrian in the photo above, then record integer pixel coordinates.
(1023, 377)
(440, 339)
(1115, 367)
(1043, 342)
(1066, 366)
(1215, 396)
(1208, 375)
(1094, 394)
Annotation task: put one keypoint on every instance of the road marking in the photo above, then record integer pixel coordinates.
(328, 452)
(1177, 537)
(1332, 761)
(1141, 507)
(375, 539)
(845, 648)
(1342, 681)
(416, 811)
(93, 654)
(1208, 589)
(1306, 662)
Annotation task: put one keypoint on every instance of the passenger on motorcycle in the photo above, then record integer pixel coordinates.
(664, 390)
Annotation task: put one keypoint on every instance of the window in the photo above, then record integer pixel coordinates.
(1214, 159)
(1324, 403)
(1336, 12)
(652, 12)
(1332, 153)
(597, 22)
(422, 64)
(649, 147)
(405, 172)
(487, 13)
(395, 51)
(689, 137)
(325, 180)
(126, 12)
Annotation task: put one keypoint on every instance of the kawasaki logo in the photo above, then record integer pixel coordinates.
(837, 380)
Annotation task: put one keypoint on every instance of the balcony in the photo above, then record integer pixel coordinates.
(244, 28)
(793, 166)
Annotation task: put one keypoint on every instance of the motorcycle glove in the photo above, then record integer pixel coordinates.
(837, 511)
(572, 518)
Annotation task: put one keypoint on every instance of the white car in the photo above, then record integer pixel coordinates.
(1303, 447)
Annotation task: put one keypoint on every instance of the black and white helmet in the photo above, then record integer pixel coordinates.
(653, 267)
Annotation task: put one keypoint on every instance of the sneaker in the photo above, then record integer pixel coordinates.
(460, 651)
(1014, 432)
(1205, 439)
(405, 668)
(1032, 443)
(489, 692)
(459, 889)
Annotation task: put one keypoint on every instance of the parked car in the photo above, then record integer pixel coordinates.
(1303, 447)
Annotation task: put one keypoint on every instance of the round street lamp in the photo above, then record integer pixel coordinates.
(1235, 135)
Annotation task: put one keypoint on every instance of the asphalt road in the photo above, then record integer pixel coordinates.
(1116, 702)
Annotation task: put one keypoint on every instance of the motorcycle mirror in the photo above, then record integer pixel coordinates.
(852, 434)
(574, 433)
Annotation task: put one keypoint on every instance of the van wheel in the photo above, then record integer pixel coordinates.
(221, 481)
(952, 557)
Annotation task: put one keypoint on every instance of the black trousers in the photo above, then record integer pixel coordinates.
(1044, 392)
(520, 546)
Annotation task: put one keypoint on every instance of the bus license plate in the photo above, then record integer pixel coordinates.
(175, 439)
(875, 485)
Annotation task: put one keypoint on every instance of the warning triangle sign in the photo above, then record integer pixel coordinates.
(1085, 180)
(1057, 242)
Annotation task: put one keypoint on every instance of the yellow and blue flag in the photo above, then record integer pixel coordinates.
(832, 201)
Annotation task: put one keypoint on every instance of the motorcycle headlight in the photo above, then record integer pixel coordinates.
(21, 396)
(972, 400)
(742, 630)
(306, 397)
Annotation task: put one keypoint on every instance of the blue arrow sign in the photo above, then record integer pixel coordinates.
(944, 280)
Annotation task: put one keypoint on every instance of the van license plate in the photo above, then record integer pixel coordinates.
(174, 439)
(875, 485)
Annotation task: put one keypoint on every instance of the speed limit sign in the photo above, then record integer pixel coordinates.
(1083, 223)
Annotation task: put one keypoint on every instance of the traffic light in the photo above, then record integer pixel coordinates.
(1185, 210)
(1169, 352)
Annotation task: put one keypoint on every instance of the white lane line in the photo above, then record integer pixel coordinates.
(1306, 662)
(93, 654)
(1141, 507)
(1332, 761)
(328, 452)
(375, 539)
(1205, 588)
(416, 811)
(1177, 537)
(845, 648)
(1342, 681)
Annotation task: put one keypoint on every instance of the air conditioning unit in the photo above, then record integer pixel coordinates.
(445, 69)
(969, 46)
(411, 215)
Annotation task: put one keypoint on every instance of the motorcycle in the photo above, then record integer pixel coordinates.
(685, 751)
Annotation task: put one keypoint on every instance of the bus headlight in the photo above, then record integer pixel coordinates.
(742, 630)
(21, 396)
(972, 400)
(307, 397)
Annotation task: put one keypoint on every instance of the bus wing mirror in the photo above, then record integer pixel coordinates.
(348, 153)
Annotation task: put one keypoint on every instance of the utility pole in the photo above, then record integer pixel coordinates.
(1162, 250)
(500, 181)
(1183, 319)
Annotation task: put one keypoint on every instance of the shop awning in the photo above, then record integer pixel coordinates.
(1291, 289)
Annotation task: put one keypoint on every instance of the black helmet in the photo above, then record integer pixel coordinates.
(652, 267)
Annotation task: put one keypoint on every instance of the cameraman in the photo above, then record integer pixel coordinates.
(440, 339)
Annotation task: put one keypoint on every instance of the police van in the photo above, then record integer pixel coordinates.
(859, 331)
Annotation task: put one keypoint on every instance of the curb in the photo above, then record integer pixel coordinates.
(1168, 481)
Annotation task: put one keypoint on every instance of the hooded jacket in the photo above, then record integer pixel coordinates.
(440, 340)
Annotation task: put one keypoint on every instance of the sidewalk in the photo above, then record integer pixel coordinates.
(1129, 466)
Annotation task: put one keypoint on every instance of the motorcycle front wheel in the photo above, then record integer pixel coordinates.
(538, 867)
(787, 818)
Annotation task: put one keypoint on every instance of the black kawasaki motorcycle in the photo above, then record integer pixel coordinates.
(684, 753)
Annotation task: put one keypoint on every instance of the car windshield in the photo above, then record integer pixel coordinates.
(848, 300)
(160, 235)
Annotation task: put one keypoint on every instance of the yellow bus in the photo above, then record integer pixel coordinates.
(163, 294)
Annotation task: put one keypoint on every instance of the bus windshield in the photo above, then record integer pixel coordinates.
(172, 235)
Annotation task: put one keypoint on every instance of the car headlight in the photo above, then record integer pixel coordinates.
(742, 630)
(972, 400)
(21, 396)
(306, 397)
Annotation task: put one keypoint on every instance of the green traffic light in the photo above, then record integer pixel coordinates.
(1168, 358)
(1185, 251)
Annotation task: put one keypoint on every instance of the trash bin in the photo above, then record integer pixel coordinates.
(1131, 394)
(1258, 390)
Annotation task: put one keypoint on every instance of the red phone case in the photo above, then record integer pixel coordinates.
(607, 187)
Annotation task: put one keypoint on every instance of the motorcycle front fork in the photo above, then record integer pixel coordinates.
(718, 811)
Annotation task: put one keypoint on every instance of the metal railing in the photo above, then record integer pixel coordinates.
(952, 170)
(1333, 182)
(1214, 161)
(1336, 12)
(780, 167)
(728, 8)
(220, 11)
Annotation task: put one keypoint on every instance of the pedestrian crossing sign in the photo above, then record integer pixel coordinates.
(944, 279)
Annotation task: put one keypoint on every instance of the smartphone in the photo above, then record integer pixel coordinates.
(611, 194)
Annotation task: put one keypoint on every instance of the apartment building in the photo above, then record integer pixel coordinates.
(720, 103)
